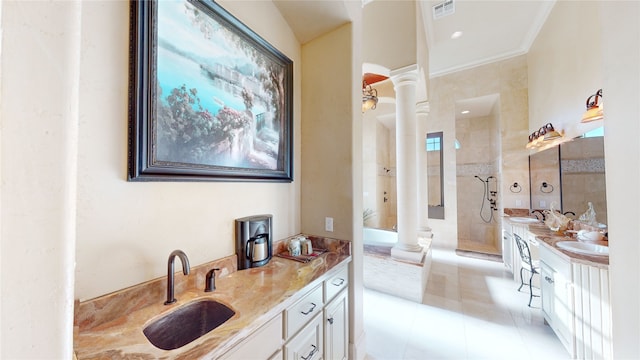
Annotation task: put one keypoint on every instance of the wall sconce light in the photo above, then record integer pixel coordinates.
(551, 133)
(369, 97)
(545, 133)
(595, 110)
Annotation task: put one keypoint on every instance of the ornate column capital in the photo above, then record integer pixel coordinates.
(407, 75)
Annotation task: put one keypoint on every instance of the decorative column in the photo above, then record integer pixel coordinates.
(422, 111)
(404, 82)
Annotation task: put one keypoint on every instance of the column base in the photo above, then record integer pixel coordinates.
(403, 278)
(414, 256)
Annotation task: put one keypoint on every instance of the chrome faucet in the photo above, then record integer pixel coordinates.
(170, 281)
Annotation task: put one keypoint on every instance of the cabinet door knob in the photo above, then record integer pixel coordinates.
(337, 282)
(330, 320)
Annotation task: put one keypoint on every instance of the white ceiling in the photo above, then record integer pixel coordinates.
(493, 30)
(311, 18)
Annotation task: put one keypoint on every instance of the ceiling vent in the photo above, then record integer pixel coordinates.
(443, 9)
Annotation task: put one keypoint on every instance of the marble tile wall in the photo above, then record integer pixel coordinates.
(478, 225)
(379, 173)
(509, 80)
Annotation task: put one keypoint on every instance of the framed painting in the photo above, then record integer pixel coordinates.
(210, 100)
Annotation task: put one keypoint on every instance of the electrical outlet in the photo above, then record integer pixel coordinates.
(328, 224)
(543, 204)
(518, 203)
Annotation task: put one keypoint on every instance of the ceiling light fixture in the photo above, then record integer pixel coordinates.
(369, 97)
(456, 35)
(464, 112)
(595, 110)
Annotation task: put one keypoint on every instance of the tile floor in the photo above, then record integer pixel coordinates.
(471, 310)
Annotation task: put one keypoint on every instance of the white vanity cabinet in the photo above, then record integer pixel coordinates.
(304, 334)
(593, 331)
(557, 296)
(301, 313)
(315, 326)
(576, 304)
(507, 246)
(336, 316)
(308, 343)
(336, 328)
(265, 343)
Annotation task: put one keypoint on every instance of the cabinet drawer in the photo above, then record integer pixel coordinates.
(308, 344)
(554, 261)
(303, 311)
(336, 283)
(266, 343)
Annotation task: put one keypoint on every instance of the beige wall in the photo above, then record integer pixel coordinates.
(65, 90)
(127, 230)
(507, 79)
(621, 79)
(331, 140)
(400, 46)
(332, 146)
(565, 67)
(39, 113)
(327, 134)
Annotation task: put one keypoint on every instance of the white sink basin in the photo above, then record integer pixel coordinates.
(583, 248)
(524, 220)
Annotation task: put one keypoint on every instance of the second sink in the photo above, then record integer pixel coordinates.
(584, 248)
(524, 220)
(187, 323)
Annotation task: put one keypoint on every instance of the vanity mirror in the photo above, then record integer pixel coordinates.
(583, 175)
(544, 179)
(574, 175)
(434, 173)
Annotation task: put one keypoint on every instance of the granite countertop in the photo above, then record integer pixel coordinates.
(549, 239)
(256, 295)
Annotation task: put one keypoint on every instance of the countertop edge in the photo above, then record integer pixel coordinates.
(210, 345)
(549, 238)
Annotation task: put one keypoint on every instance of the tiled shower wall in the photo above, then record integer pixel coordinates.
(379, 174)
(508, 79)
(478, 224)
